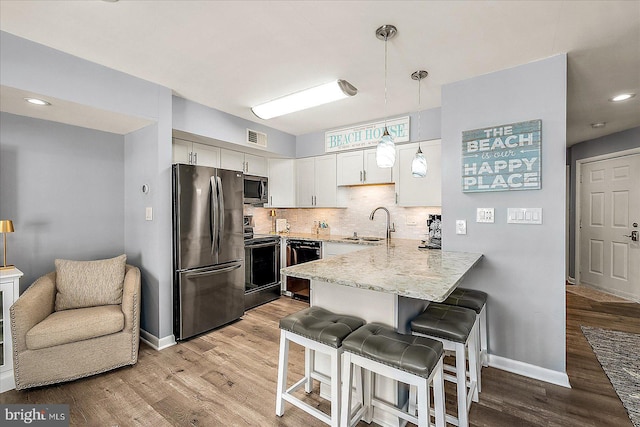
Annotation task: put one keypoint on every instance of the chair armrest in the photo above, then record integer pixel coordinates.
(33, 306)
(131, 299)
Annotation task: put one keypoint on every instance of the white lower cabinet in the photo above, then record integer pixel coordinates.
(411, 191)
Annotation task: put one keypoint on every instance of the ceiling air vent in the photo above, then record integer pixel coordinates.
(257, 138)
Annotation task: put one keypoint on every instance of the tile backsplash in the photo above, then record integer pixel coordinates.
(361, 200)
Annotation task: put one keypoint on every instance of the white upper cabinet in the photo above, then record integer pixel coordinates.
(282, 183)
(412, 191)
(242, 162)
(316, 182)
(194, 153)
(360, 167)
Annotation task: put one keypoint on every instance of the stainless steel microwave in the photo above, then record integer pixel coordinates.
(256, 189)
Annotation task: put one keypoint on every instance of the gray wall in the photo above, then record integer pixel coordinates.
(524, 265)
(63, 187)
(613, 143)
(32, 67)
(189, 116)
(312, 144)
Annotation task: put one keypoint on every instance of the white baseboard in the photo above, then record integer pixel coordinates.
(7, 381)
(530, 371)
(155, 342)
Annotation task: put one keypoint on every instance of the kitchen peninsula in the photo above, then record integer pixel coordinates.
(389, 283)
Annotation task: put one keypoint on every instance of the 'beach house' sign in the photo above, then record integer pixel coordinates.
(501, 158)
(366, 135)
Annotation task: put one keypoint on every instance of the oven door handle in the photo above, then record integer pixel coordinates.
(262, 245)
(308, 247)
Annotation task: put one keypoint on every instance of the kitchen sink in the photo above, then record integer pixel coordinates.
(353, 239)
(371, 239)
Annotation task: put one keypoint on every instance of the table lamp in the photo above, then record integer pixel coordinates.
(6, 226)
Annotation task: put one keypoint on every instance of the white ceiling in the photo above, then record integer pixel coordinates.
(231, 55)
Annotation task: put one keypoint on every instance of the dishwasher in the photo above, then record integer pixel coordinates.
(298, 252)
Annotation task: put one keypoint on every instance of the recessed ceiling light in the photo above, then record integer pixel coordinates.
(598, 125)
(37, 101)
(622, 97)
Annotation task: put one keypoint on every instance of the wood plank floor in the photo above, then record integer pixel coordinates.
(228, 378)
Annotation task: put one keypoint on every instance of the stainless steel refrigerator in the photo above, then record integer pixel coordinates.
(208, 248)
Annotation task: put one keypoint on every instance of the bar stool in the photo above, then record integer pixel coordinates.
(476, 301)
(416, 361)
(456, 329)
(316, 329)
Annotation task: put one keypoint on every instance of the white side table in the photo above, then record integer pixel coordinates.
(9, 291)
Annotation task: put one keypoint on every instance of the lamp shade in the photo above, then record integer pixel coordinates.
(386, 151)
(6, 226)
(419, 165)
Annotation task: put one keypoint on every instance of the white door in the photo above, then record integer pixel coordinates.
(181, 151)
(305, 182)
(609, 213)
(255, 165)
(349, 168)
(374, 174)
(411, 191)
(232, 160)
(206, 155)
(325, 181)
(282, 180)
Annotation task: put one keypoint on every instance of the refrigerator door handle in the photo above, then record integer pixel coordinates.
(221, 209)
(213, 215)
(210, 272)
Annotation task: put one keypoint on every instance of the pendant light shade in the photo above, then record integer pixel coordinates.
(386, 149)
(419, 164)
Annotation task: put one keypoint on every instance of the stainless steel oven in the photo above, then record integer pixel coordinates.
(262, 272)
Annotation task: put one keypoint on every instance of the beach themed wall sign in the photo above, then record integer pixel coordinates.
(502, 158)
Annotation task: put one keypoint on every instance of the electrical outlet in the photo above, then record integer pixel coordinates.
(461, 226)
(485, 215)
(411, 220)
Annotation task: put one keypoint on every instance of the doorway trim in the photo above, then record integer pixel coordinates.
(579, 163)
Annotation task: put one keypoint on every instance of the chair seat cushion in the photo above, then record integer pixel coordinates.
(445, 321)
(82, 284)
(468, 298)
(62, 327)
(321, 325)
(375, 341)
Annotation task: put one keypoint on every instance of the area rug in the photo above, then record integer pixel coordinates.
(618, 353)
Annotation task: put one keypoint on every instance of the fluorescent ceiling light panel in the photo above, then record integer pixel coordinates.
(304, 99)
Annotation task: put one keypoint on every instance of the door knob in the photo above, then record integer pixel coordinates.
(633, 235)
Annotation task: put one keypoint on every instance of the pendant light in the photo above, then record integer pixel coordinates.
(419, 164)
(386, 149)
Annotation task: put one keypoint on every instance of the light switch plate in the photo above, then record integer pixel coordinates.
(148, 213)
(485, 215)
(461, 226)
(524, 216)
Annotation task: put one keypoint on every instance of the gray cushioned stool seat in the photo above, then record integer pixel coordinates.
(321, 325)
(468, 298)
(445, 321)
(375, 341)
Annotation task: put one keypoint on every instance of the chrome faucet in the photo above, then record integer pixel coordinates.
(391, 228)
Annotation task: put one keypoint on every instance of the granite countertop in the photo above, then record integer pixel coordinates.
(398, 267)
(333, 238)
